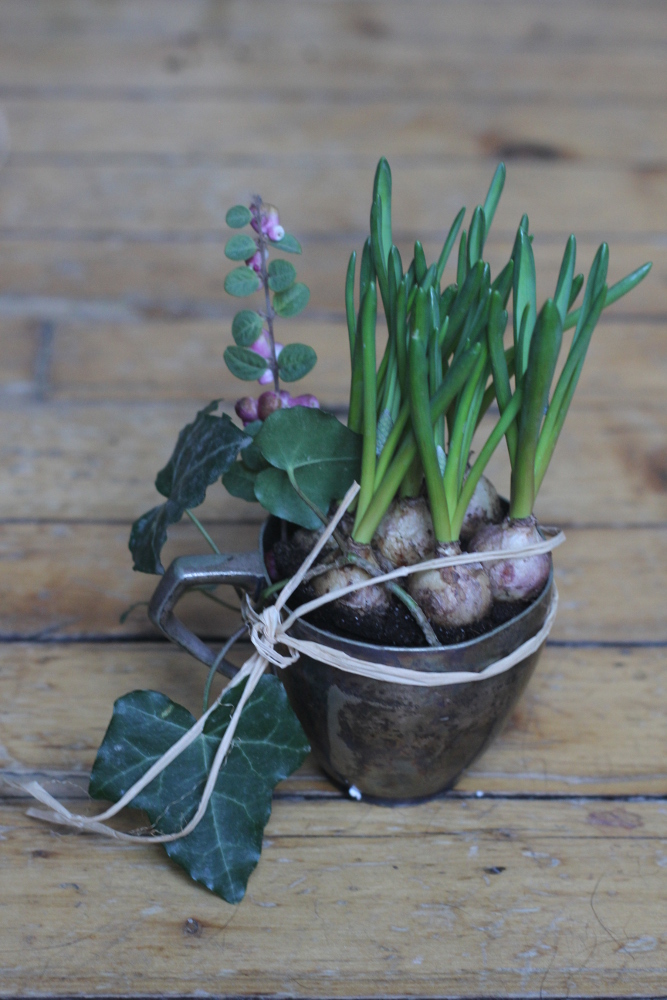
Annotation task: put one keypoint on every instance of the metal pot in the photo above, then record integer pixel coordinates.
(391, 742)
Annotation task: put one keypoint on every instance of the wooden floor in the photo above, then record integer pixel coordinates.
(126, 130)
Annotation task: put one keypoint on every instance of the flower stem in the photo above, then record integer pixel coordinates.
(200, 527)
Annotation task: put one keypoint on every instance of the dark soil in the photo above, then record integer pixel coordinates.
(396, 627)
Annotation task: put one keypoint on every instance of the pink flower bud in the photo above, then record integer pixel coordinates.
(246, 409)
(255, 262)
(262, 345)
(278, 348)
(270, 223)
(286, 399)
(307, 400)
(265, 379)
(267, 404)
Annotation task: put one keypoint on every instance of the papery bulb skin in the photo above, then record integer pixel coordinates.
(455, 595)
(246, 409)
(513, 579)
(485, 507)
(367, 601)
(267, 404)
(308, 400)
(405, 533)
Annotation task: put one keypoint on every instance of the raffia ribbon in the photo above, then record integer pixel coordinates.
(267, 632)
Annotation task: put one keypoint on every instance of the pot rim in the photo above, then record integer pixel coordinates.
(394, 650)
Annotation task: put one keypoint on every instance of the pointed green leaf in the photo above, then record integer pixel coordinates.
(238, 217)
(282, 275)
(245, 364)
(240, 247)
(292, 301)
(205, 449)
(269, 744)
(242, 281)
(246, 327)
(288, 243)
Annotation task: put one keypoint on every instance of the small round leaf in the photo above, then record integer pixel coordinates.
(288, 243)
(292, 301)
(238, 217)
(241, 281)
(240, 247)
(281, 275)
(295, 361)
(246, 327)
(244, 364)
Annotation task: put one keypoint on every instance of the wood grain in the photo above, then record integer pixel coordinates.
(561, 740)
(467, 898)
(76, 580)
(560, 198)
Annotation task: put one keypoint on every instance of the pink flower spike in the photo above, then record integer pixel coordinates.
(266, 377)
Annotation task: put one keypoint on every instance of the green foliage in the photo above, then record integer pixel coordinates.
(246, 327)
(238, 217)
(242, 281)
(282, 275)
(292, 301)
(289, 244)
(295, 361)
(205, 450)
(245, 364)
(240, 247)
(239, 480)
(268, 745)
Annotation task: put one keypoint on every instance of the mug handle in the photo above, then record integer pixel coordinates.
(244, 570)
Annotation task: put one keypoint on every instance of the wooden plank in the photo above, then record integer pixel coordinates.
(170, 278)
(19, 343)
(76, 580)
(98, 462)
(183, 360)
(480, 22)
(413, 130)
(574, 731)
(322, 198)
(480, 899)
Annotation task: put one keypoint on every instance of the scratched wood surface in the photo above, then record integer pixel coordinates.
(126, 130)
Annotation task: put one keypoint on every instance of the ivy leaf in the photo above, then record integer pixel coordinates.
(315, 450)
(295, 361)
(292, 301)
(241, 281)
(244, 364)
(282, 275)
(205, 449)
(288, 243)
(240, 247)
(239, 480)
(269, 744)
(246, 327)
(252, 458)
(238, 217)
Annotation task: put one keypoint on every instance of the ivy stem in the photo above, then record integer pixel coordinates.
(218, 660)
(269, 314)
(200, 527)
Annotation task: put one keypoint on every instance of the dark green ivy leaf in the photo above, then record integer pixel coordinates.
(246, 327)
(241, 281)
(240, 247)
(288, 243)
(244, 364)
(282, 275)
(293, 301)
(238, 217)
(269, 744)
(205, 449)
(295, 361)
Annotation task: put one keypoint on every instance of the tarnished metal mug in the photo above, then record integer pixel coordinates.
(392, 742)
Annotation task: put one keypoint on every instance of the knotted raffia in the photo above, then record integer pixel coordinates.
(268, 631)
